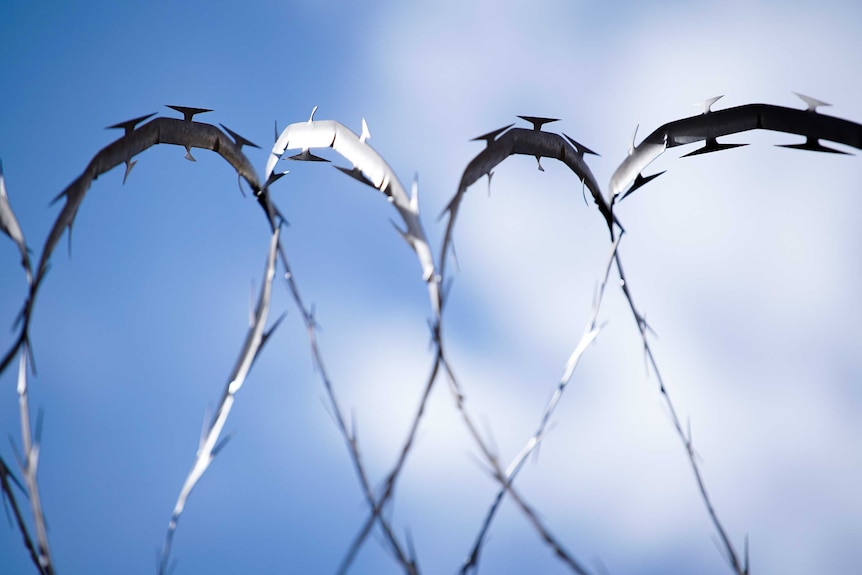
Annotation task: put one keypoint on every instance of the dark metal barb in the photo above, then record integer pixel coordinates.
(10, 226)
(240, 141)
(712, 146)
(188, 113)
(492, 135)
(582, 149)
(306, 156)
(356, 174)
(538, 121)
(129, 125)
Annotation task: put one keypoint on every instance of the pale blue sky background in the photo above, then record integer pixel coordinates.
(746, 263)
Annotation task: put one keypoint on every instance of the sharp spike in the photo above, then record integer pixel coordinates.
(56, 198)
(447, 209)
(275, 176)
(188, 113)
(580, 148)
(283, 220)
(366, 134)
(404, 235)
(129, 125)
(814, 145)
(271, 330)
(712, 145)
(37, 433)
(240, 141)
(239, 184)
(812, 103)
(539, 162)
(251, 305)
(634, 137)
(306, 156)
(129, 165)
(639, 181)
(220, 445)
(356, 174)
(204, 427)
(492, 135)
(706, 105)
(14, 479)
(70, 237)
(414, 194)
(537, 121)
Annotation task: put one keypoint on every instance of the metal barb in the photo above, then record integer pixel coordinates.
(129, 165)
(405, 235)
(640, 181)
(634, 137)
(538, 122)
(812, 103)
(814, 145)
(492, 135)
(414, 193)
(580, 148)
(188, 113)
(706, 105)
(366, 133)
(275, 177)
(240, 141)
(356, 174)
(306, 156)
(129, 125)
(712, 145)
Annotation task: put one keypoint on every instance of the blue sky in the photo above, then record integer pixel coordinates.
(746, 263)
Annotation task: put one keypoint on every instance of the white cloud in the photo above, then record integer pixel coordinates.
(743, 260)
